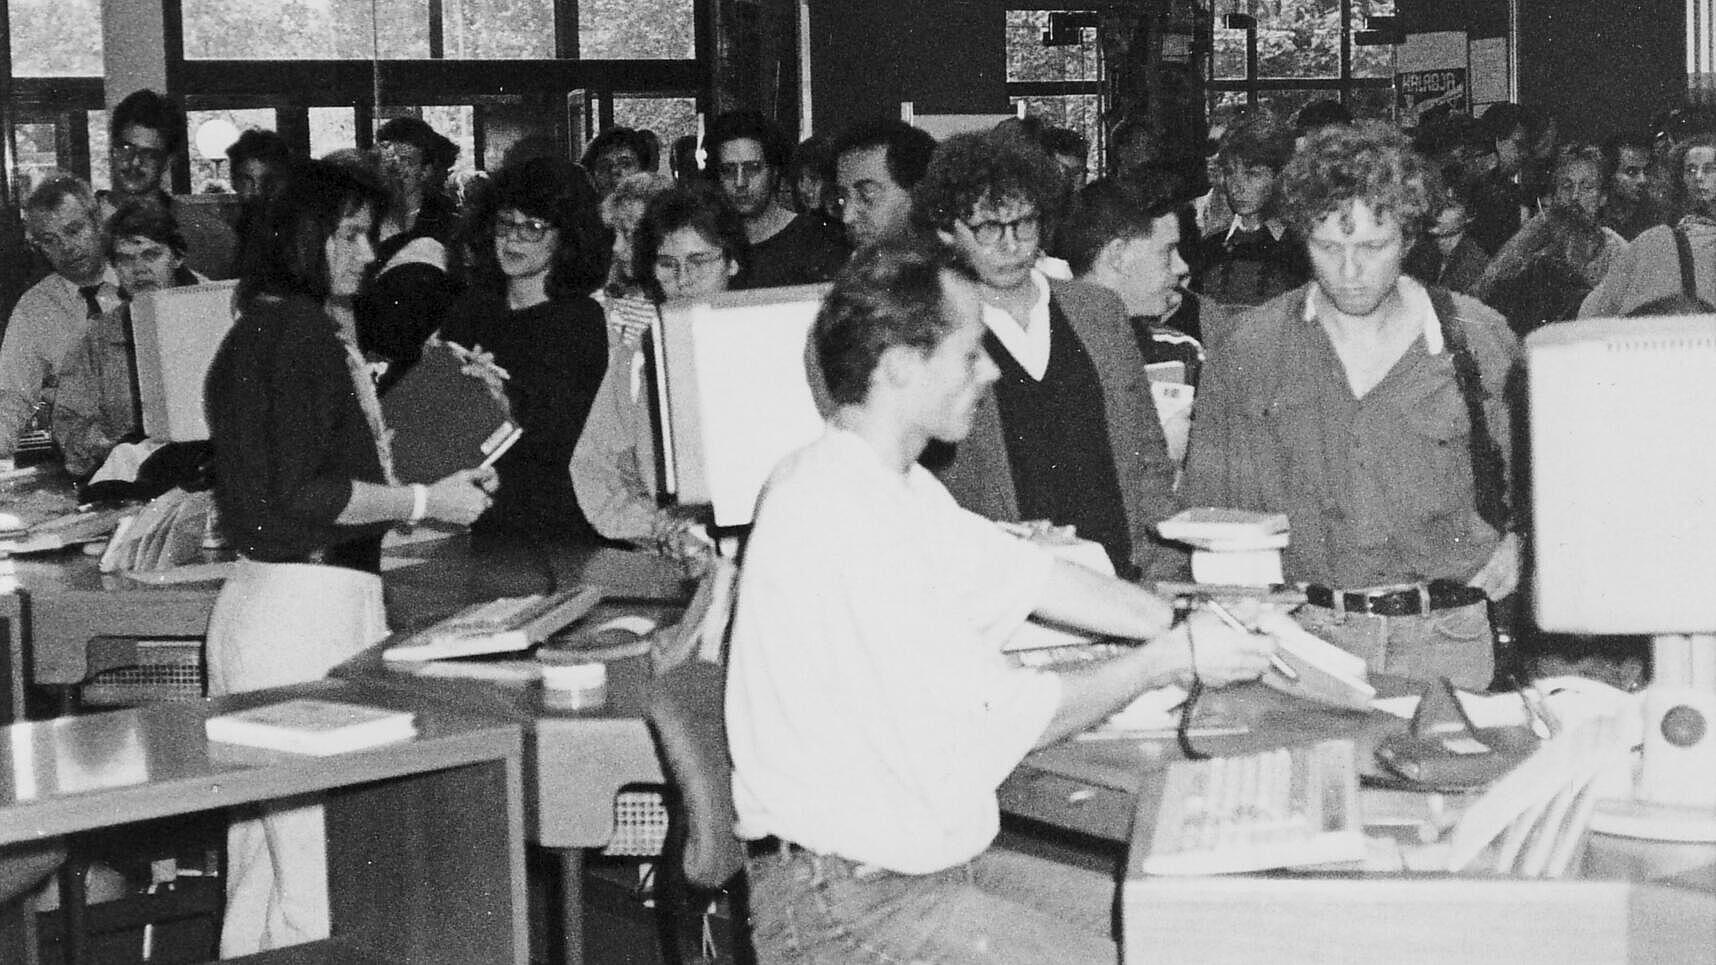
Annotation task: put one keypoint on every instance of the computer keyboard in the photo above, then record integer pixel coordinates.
(1288, 807)
(497, 626)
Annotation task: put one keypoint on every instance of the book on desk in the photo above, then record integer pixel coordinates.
(311, 726)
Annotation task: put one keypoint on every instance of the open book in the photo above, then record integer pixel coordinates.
(1326, 673)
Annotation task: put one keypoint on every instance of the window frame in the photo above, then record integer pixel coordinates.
(292, 87)
(1253, 86)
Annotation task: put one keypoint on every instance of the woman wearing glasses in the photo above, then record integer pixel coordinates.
(690, 243)
(306, 490)
(529, 308)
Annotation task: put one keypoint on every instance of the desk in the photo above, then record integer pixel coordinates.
(1624, 910)
(426, 861)
(576, 761)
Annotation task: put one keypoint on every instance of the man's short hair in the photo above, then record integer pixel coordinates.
(907, 149)
(259, 145)
(1321, 113)
(1371, 162)
(993, 167)
(1257, 139)
(53, 190)
(1107, 210)
(746, 125)
(890, 294)
(144, 218)
(1066, 141)
(157, 112)
(1499, 121)
(619, 138)
(438, 152)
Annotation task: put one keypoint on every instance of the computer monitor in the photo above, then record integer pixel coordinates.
(736, 393)
(1623, 497)
(177, 332)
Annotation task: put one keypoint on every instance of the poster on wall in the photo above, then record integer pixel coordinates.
(1431, 77)
(1424, 95)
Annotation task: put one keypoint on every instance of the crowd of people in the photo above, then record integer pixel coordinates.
(1337, 303)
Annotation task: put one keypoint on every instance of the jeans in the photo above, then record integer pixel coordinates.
(1001, 907)
(1455, 643)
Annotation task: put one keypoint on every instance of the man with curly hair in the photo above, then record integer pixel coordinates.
(1370, 410)
(1070, 433)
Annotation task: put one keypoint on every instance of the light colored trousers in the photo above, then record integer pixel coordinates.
(277, 624)
(1001, 908)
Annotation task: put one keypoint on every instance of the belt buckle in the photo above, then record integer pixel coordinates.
(1380, 595)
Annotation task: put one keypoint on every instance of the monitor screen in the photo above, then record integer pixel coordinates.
(177, 331)
(737, 393)
(1623, 474)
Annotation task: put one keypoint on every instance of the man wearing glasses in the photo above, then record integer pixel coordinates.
(1070, 433)
(747, 154)
(60, 216)
(146, 134)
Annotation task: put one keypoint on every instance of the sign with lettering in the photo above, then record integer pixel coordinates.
(1423, 95)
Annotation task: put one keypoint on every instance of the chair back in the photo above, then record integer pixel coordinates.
(1533, 822)
(686, 713)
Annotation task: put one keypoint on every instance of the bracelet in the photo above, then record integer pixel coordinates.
(419, 503)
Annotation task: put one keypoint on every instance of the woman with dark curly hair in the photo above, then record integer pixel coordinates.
(529, 307)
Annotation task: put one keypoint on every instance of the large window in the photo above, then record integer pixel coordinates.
(629, 30)
(56, 38)
(326, 73)
(1060, 82)
(1300, 51)
(270, 30)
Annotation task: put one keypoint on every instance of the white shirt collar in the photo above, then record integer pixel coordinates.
(1413, 296)
(1275, 228)
(1028, 346)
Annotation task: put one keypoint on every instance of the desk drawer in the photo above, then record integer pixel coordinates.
(1061, 801)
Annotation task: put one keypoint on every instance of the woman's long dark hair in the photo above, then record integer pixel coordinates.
(550, 190)
(287, 254)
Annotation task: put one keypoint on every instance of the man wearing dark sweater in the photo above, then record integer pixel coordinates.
(1070, 433)
(747, 154)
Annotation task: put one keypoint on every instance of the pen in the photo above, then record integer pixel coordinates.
(1222, 613)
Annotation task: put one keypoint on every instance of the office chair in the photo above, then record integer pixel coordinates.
(703, 856)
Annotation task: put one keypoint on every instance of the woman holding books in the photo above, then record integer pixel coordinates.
(529, 309)
(305, 489)
(689, 244)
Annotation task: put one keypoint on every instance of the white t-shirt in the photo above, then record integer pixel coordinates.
(869, 709)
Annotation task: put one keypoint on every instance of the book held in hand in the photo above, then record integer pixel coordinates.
(310, 726)
(444, 420)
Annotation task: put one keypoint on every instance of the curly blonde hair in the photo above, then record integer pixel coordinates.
(1369, 161)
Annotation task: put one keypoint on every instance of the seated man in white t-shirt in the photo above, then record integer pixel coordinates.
(870, 710)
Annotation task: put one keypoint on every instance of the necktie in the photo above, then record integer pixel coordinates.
(89, 292)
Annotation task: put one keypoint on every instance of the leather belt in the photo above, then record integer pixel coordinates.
(1397, 601)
